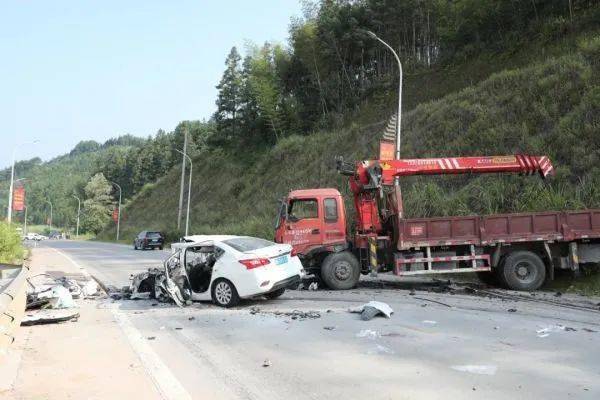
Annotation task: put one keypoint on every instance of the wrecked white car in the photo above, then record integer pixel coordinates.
(223, 269)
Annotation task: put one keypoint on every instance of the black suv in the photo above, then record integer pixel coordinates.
(149, 240)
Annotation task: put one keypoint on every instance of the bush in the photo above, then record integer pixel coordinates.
(11, 250)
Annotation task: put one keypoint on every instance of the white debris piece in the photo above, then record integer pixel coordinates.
(383, 308)
(60, 295)
(368, 333)
(90, 288)
(545, 332)
(476, 369)
(429, 322)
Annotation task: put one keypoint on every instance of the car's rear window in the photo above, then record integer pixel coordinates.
(154, 235)
(244, 244)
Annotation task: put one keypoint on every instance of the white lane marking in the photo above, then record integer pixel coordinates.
(165, 382)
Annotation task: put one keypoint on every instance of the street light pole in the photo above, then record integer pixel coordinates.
(179, 210)
(187, 216)
(12, 177)
(78, 211)
(119, 211)
(49, 202)
(25, 222)
(399, 119)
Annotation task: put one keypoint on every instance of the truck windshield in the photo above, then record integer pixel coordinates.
(245, 244)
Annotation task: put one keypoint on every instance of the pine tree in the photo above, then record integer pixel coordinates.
(228, 99)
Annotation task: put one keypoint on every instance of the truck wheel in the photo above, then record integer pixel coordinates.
(523, 270)
(340, 271)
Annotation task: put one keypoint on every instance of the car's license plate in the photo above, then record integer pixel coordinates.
(281, 260)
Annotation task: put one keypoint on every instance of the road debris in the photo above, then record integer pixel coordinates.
(372, 309)
(313, 286)
(41, 317)
(266, 363)
(329, 328)
(368, 333)
(546, 331)
(512, 310)
(476, 369)
(151, 337)
(430, 322)
(294, 314)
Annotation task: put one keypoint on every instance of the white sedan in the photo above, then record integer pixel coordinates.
(225, 269)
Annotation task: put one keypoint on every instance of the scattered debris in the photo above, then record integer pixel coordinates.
(476, 369)
(266, 363)
(313, 286)
(368, 333)
(433, 301)
(294, 314)
(371, 309)
(588, 330)
(40, 317)
(329, 328)
(178, 328)
(512, 310)
(429, 322)
(151, 337)
(380, 349)
(191, 318)
(557, 294)
(546, 331)
(254, 310)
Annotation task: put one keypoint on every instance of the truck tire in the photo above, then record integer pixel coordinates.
(340, 271)
(523, 270)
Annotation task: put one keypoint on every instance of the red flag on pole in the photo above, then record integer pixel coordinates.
(19, 199)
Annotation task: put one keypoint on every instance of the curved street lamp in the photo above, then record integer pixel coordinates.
(49, 202)
(78, 211)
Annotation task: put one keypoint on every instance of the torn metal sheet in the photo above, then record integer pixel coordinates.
(371, 309)
(40, 317)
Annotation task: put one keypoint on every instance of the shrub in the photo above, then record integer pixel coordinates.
(11, 250)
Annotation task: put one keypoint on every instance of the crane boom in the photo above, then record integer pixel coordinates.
(373, 173)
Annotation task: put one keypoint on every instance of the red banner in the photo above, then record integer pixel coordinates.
(387, 150)
(115, 215)
(19, 199)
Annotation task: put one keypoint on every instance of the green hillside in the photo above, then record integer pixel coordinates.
(551, 107)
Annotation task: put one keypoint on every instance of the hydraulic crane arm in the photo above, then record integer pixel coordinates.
(373, 173)
(367, 179)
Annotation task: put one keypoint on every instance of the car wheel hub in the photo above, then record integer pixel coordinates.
(223, 293)
(342, 271)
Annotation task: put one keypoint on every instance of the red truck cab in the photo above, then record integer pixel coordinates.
(313, 221)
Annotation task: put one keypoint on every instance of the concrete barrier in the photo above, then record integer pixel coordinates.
(13, 289)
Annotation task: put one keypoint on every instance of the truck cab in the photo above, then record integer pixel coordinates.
(313, 221)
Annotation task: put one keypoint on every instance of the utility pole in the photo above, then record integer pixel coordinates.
(179, 210)
(49, 202)
(78, 211)
(119, 210)
(25, 222)
(187, 215)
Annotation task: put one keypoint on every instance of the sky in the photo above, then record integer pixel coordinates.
(79, 70)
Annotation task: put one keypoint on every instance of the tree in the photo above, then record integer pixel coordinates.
(228, 99)
(97, 206)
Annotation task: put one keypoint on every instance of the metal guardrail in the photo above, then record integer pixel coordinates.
(12, 302)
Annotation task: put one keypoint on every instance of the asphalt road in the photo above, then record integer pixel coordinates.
(467, 347)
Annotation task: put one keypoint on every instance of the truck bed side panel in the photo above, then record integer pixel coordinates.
(492, 229)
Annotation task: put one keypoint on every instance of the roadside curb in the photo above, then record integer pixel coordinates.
(12, 307)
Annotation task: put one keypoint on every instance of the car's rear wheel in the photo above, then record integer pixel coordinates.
(224, 293)
(523, 270)
(275, 294)
(135, 246)
(340, 271)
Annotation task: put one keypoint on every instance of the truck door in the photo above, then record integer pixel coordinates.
(303, 225)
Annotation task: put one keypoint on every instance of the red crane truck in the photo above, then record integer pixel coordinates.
(522, 250)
